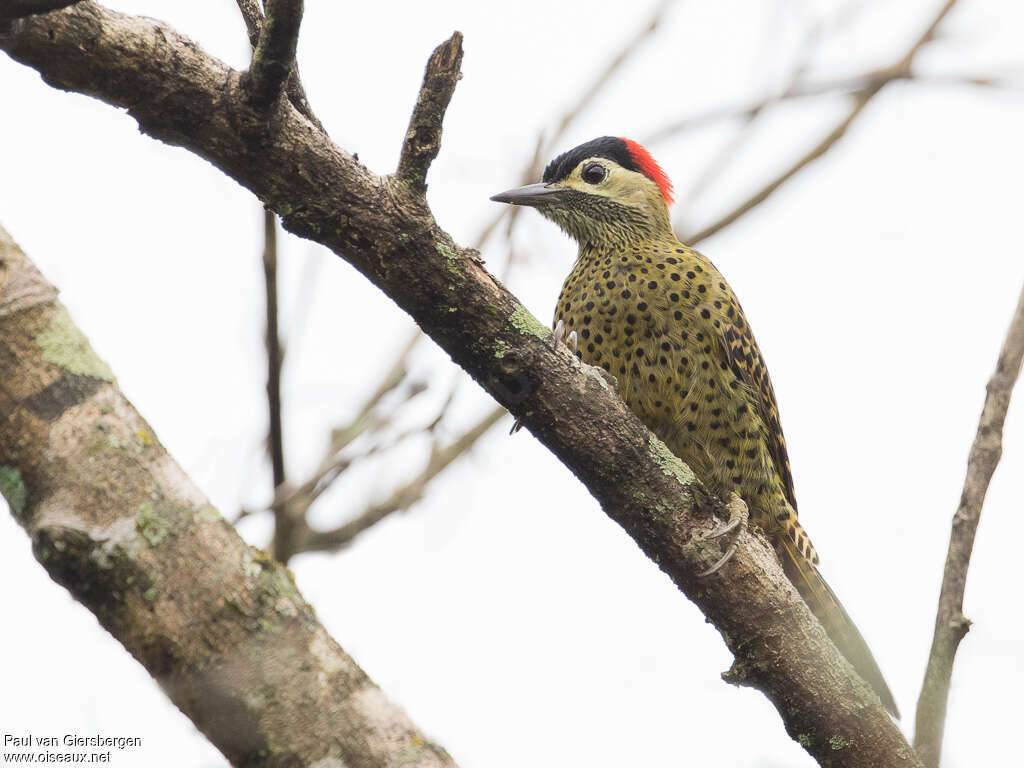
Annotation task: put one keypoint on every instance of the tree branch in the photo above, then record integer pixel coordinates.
(273, 58)
(423, 137)
(220, 625)
(253, 17)
(284, 527)
(181, 95)
(950, 623)
(900, 69)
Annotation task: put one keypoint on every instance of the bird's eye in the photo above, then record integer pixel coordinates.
(594, 173)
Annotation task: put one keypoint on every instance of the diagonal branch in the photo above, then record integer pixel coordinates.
(900, 69)
(384, 229)
(273, 57)
(950, 624)
(423, 137)
(220, 626)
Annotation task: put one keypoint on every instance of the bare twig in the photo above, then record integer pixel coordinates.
(294, 502)
(17, 9)
(838, 86)
(253, 17)
(423, 137)
(744, 132)
(748, 109)
(402, 498)
(613, 66)
(342, 436)
(283, 525)
(862, 97)
(950, 623)
(273, 57)
(273, 346)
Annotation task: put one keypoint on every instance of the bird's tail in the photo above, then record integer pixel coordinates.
(837, 623)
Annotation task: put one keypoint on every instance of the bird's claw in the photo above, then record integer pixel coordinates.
(558, 333)
(738, 517)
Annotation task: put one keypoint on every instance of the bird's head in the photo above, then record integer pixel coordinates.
(609, 190)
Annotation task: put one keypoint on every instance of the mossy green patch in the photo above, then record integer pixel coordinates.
(805, 740)
(671, 464)
(500, 349)
(64, 345)
(153, 526)
(838, 743)
(13, 489)
(150, 595)
(527, 324)
(451, 262)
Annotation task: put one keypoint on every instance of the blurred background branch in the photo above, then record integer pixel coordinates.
(950, 623)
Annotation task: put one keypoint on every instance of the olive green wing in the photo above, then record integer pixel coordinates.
(741, 353)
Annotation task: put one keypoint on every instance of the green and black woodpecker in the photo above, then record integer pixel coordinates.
(660, 317)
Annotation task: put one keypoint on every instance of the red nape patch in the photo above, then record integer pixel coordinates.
(650, 168)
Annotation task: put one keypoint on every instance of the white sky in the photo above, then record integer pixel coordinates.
(506, 613)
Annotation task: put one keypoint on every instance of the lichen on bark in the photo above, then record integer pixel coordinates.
(64, 345)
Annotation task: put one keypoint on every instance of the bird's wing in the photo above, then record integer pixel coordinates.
(739, 349)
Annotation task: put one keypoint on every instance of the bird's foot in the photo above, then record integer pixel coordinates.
(557, 336)
(738, 518)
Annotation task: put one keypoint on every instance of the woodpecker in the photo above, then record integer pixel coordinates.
(660, 318)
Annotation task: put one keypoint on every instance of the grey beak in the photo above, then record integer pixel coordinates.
(531, 194)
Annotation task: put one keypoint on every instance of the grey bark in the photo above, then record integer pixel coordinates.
(220, 625)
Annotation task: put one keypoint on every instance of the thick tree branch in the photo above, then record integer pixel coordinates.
(950, 623)
(183, 96)
(899, 70)
(112, 517)
(273, 58)
(423, 137)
